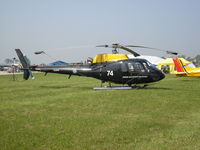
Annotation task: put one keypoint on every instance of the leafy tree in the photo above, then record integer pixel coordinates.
(8, 61)
(197, 58)
(11, 61)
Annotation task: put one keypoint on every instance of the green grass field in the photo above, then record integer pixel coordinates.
(54, 113)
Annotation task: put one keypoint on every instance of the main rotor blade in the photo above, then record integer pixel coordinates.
(129, 50)
(121, 47)
(103, 46)
(171, 52)
(39, 52)
(138, 46)
(125, 47)
(167, 51)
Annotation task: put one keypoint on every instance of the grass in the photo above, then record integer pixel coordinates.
(54, 113)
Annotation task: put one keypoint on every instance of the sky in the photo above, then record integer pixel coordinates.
(69, 30)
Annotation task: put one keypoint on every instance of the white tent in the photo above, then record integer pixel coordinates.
(152, 59)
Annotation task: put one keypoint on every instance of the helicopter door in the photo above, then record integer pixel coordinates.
(142, 72)
(131, 69)
(139, 67)
(130, 74)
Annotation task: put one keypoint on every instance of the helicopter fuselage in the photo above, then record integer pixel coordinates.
(129, 71)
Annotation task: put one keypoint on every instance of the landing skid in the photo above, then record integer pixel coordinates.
(120, 87)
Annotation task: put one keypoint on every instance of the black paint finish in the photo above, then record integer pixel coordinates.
(130, 71)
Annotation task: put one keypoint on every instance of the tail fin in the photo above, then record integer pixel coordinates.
(23, 59)
(179, 65)
(25, 63)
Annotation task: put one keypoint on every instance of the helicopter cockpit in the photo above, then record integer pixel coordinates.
(138, 65)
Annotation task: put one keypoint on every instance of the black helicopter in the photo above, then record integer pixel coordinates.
(120, 71)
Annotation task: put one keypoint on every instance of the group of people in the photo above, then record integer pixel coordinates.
(165, 69)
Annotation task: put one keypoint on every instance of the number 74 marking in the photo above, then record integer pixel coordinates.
(110, 73)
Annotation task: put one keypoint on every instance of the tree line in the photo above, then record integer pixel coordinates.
(9, 61)
(195, 60)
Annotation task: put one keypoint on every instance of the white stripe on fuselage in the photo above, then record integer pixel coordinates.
(63, 69)
(128, 77)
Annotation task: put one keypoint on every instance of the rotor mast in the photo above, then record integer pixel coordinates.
(115, 46)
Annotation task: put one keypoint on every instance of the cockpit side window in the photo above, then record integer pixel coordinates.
(146, 66)
(124, 67)
(139, 67)
(131, 67)
(148, 63)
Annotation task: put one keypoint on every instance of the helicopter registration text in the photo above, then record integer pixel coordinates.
(126, 77)
(110, 73)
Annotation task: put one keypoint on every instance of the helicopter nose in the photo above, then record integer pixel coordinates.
(158, 75)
